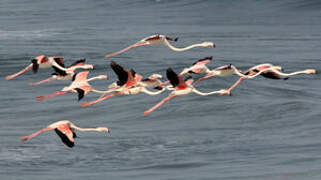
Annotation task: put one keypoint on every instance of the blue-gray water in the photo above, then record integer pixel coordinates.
(267, 129)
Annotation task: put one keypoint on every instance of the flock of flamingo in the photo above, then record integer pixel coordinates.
(129, 82)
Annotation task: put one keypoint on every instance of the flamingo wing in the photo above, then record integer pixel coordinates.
(66, 135)
(59, 71)
(59, 60)
(35, 65)
(172, 77)
(269, 74)
(175, 80)
(82, 76)
(203, 61)
(82, 91)
(121, 73)
(189, 80)
(80, 62)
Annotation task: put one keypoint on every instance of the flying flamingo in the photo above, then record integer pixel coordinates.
(79, 85)
(66, 131)
(129, 82)
(42, 62)
(181, 88)
(268, 71)
(197, 67)
(160, 40)
(65, 75)
(153, 82)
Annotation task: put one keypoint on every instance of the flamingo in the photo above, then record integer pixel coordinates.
(153, 82)
(65, 130)
(42, 62)
(65, 75)
(79, 85)
(181, 87)
(197, 67)
(129, 83)
(160, 40)
(268, 71)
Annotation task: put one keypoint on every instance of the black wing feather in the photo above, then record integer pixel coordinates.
(120, 72)
(77, 62)
(64, 138)
(35, 65)
(206, 58)
(81, 93)
(172, 77)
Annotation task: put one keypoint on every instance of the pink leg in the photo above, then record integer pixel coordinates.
(157, 105)
(234, 85)
(40, 82)
(203, 78)
(19, 73)
(121, 51)
(58, 93)
(100, 99)
(25, 138)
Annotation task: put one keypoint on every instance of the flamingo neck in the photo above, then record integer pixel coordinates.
(291, 74)
(181, 49)
(86, 129)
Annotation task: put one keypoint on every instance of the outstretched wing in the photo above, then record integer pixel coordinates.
(203, 61)
(78, 63)
(121, 73)
(65, 134)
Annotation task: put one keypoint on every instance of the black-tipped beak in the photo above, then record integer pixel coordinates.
(176, 39)
(214, 45)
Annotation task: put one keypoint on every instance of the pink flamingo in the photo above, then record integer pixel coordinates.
(128, 83)
(160, 40)
(197, 67)
(67, 74)
(268, 71)
(181, 88)
(42, 62)
(66, 131)
(79, 85)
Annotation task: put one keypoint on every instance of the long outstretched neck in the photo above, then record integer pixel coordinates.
(19, 73)
(25, 138)
(181, 49)
(307, 71)
(209, 93)
(83, 129)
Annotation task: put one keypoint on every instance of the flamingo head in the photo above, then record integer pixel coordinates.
(208, 44)
(88, 66)
(311, 71)
(103, 129)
